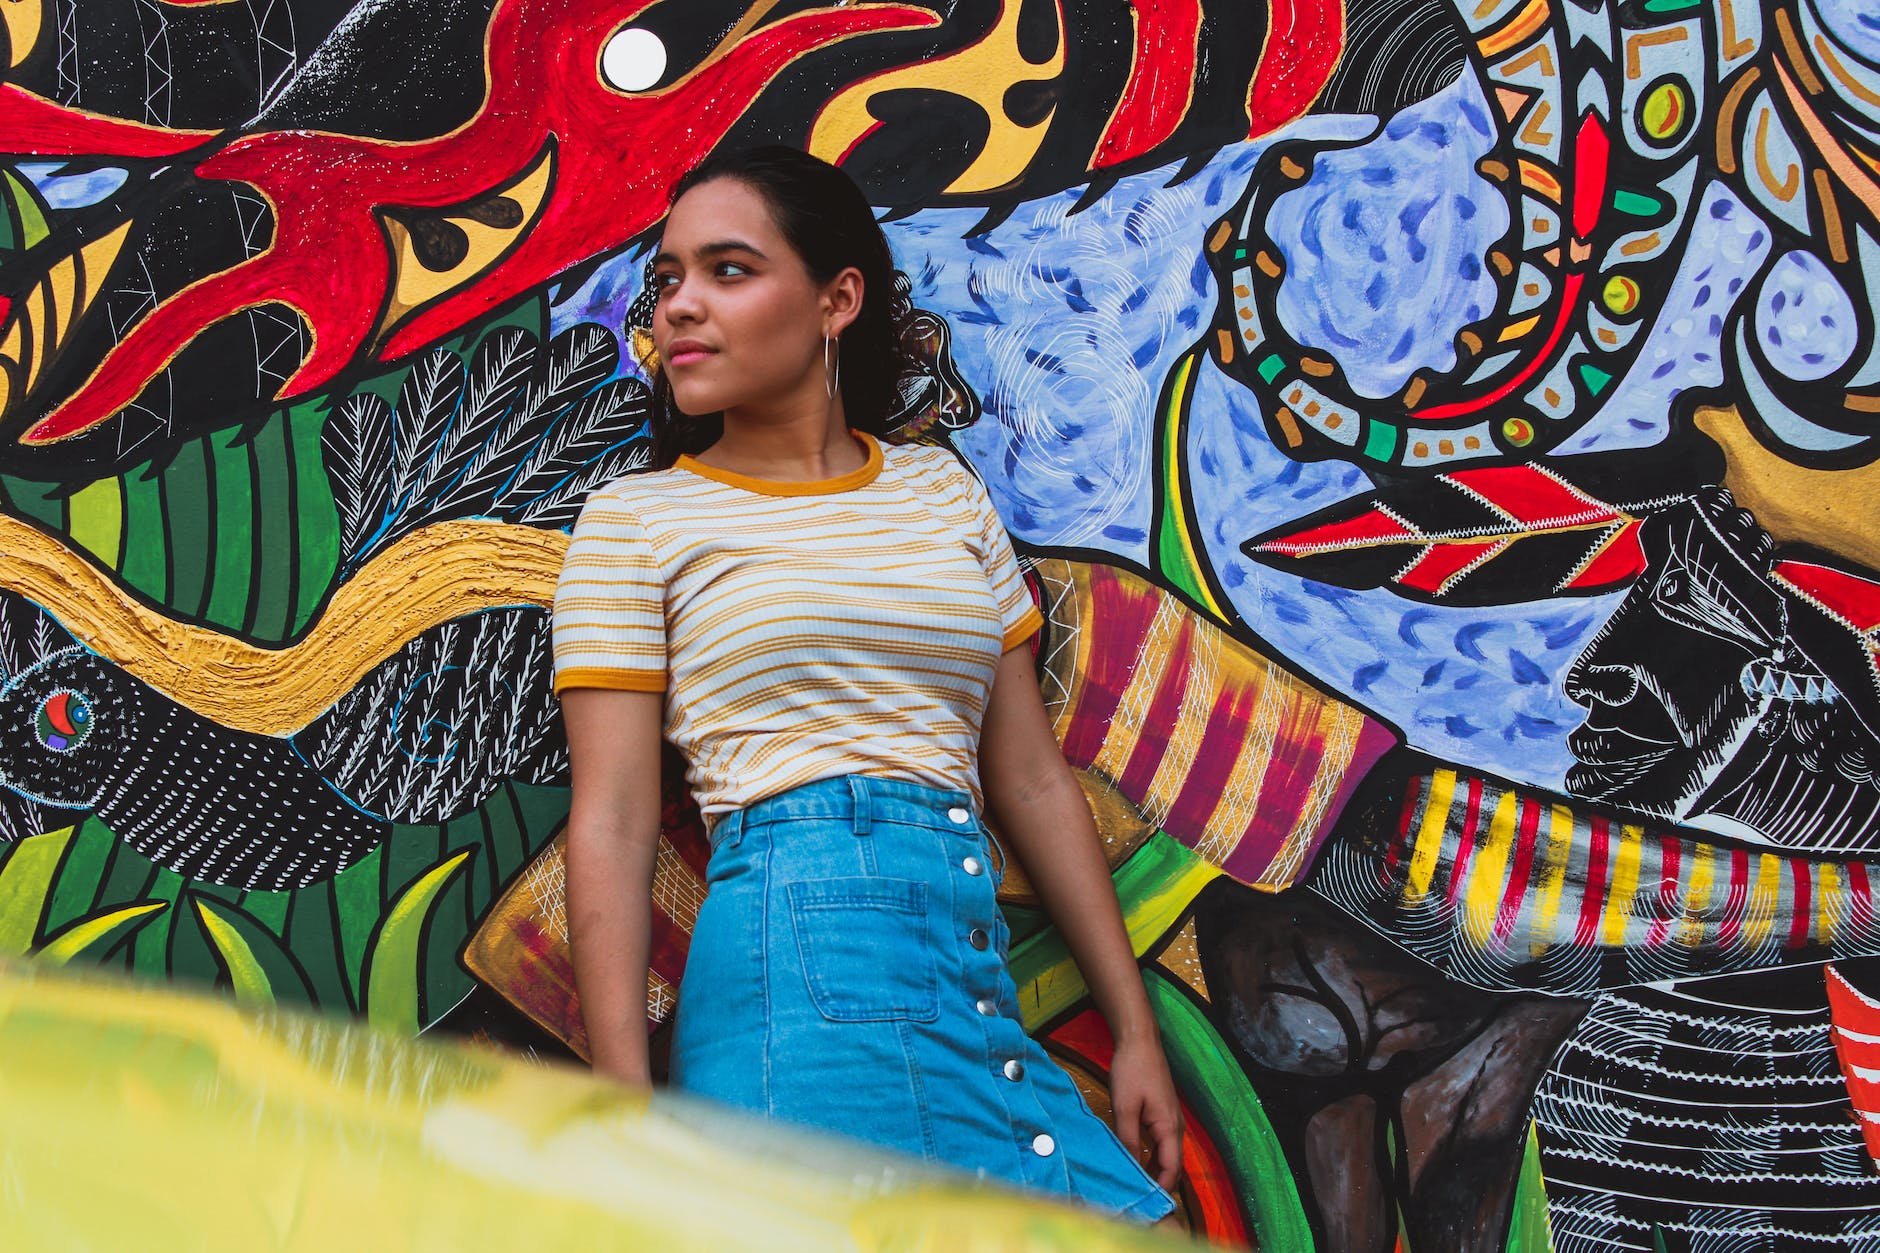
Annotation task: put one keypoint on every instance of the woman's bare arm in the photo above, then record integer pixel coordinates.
(1041, 811)
(613, 834)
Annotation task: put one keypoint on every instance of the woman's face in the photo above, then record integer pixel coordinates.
(739, 322)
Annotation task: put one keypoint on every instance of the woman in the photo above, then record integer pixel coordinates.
(834, 634)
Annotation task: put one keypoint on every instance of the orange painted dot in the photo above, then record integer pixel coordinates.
(1312, 408)
(1334, 422)
(1445, 446)
(1421, 450)
(1471, 443)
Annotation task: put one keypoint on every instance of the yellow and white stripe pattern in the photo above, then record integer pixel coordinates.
(799, 630)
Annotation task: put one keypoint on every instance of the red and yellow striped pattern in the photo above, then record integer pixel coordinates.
(1230, 753)
(1523, 874)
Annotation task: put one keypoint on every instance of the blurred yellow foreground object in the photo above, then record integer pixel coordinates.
(135, 1116)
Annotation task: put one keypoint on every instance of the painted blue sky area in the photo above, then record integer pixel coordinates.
(1384, 242)
(1069, 323)
(1728, 243)
(1480, 687)
(71, 191)
(1855, 24)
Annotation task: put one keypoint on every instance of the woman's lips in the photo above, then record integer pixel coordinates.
(689, 356)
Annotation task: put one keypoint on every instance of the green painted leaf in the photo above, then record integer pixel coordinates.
(100, 931)
(258, 964)
(1528, 1230)
(26, 885)
(393, 966)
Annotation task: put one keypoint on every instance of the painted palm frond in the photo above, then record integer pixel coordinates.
(519, 431)
(357, 445)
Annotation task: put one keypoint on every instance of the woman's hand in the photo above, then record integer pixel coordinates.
(1146, 1107)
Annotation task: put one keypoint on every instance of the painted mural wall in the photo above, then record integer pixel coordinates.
(1441, 437)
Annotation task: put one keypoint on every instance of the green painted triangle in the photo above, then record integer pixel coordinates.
(1595, 378)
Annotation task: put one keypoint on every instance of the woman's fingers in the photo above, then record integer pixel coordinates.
(1127, 1106)
(1168, 1152)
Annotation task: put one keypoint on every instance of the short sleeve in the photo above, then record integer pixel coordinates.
(1017, 613)
(609, 625)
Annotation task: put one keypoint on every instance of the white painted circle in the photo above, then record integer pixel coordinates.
(633, 60)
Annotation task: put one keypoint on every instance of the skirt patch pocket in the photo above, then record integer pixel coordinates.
(865, 949)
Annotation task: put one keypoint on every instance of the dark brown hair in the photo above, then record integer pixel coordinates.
(825, 218)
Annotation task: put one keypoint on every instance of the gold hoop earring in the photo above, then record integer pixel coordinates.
(832, 376)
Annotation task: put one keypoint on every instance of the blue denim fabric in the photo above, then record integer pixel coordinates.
(833, 981)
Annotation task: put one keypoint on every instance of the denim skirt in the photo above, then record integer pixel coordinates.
(847, 972)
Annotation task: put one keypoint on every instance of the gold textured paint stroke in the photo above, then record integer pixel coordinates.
(1181, 957)
(1824, 53)
(431, 576)
(981, 73)
(36, 318)
(1637, 43)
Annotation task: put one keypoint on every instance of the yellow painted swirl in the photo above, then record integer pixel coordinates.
(437, 573)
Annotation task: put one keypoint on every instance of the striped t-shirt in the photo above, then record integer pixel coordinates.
(799, 630)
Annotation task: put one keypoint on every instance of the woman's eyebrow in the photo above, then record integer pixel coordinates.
(717, 248)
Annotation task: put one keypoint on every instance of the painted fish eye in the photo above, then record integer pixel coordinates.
(64, 721)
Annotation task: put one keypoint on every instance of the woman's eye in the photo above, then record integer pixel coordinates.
(731, 269)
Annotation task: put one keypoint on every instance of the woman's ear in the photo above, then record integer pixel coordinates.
(842, 301)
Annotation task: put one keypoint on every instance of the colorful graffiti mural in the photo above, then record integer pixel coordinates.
(1440, 436)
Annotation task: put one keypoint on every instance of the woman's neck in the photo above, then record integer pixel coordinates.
(802, 449)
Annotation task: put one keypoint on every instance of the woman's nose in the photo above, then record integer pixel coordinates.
(680, 301)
